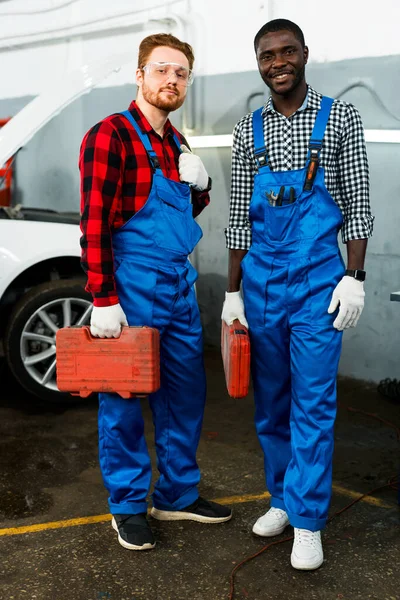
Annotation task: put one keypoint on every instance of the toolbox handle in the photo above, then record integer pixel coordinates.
(86, 329)
(242, 330)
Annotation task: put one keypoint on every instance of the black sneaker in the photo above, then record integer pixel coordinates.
(203, 511)
(134, 531)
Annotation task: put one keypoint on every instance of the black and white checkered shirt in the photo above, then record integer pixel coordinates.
(343, 156)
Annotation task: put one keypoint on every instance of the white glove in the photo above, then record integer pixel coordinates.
(106, 321)
(349, 293)
(233, 308)
(192, 170)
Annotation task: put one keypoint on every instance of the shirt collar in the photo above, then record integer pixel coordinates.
(312, 101)
(143, 122)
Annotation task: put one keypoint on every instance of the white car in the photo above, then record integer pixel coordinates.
(41, 280)
(41, 290)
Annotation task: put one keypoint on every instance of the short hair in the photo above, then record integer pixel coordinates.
(163, 39)
(279, 25)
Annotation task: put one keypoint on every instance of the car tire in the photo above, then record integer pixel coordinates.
(31, 329)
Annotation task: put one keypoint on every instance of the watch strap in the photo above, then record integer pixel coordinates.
(358, 274)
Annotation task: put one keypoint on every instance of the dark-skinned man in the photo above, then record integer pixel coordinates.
(299, 175)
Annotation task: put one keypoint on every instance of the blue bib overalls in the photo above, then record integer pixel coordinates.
(289, 274)
(154, 282)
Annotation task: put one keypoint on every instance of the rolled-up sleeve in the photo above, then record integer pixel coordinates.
(238, 232)
(354, 179)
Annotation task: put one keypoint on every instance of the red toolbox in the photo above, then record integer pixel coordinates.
(128, 365)
(235, 348)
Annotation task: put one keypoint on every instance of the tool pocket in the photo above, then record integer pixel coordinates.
(175, 227)
(282, 223)
(293, 222)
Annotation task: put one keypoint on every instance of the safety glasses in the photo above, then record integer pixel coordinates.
(162, 71)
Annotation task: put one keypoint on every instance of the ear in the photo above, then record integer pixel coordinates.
(305, 54)
(139, 77)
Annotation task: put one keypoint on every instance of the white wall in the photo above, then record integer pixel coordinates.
(222, 34)
(40, 40)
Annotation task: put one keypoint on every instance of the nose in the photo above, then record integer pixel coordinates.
(173, 75)
(279, 60)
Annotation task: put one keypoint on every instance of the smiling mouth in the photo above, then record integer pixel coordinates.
(281, 76)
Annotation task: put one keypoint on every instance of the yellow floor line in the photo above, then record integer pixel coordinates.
(337, 489)
(341, 491)
(242, 499)
(55, 525)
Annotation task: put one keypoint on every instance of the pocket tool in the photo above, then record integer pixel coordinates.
(276, 199)
(279, 200)
(272, 197)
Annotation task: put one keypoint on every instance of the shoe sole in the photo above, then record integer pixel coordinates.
(301, 567)
(169, 515)
(271, 533)
(130, 546)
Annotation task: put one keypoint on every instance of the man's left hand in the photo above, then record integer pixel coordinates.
(192, 170)
(349, 294)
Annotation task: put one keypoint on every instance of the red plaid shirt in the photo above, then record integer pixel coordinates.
(116, 179)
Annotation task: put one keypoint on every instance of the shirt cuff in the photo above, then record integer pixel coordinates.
(108, 301)
(238, 238)
(357, 229)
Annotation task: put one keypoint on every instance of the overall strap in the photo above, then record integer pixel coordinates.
(315, 143)
(144, 138)
(260, 150)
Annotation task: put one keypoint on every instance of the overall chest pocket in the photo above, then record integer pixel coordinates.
(175, 228)
(293, 222)
(282, 223)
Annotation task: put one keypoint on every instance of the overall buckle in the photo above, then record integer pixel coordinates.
(261, 157)
(155, 163)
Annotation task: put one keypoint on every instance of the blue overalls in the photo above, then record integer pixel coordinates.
(289, 274)
(154, 282)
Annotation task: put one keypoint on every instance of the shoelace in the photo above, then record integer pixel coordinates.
(307, 538)
(277, 511)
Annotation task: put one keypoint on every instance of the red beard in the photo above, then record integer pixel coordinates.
(162, 101)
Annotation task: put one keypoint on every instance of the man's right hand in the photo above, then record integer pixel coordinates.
(106, 321)
(233, 308)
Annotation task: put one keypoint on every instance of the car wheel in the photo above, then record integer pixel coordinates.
(30, 338)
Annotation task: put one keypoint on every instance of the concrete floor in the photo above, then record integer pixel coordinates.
(49, 473)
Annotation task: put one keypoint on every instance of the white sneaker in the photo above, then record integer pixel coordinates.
(272, 523)
(307, 551)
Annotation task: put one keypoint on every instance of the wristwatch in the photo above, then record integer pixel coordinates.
(356, 273)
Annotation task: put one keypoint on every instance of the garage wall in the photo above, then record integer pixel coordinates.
(46, 169)
(41, 40)
(47, 176)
